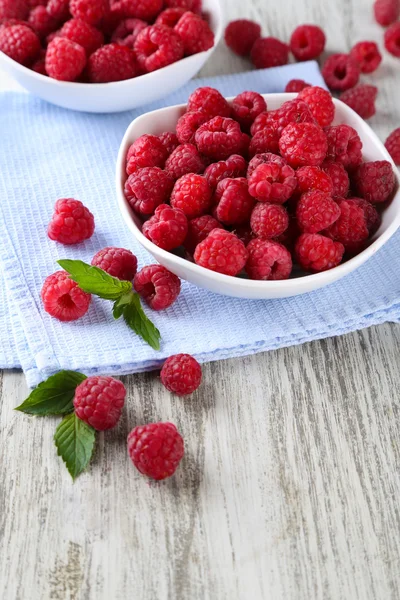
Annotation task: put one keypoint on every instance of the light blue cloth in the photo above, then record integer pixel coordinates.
(47, 153)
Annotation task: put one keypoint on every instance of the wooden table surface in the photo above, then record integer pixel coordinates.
(290, 485)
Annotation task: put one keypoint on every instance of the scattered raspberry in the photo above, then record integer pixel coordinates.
(170, 141)
(210, 101)
(188, 124)
(234, 166)
(316, 253)
(41, 22)
(146, 151)
(386, 11)
(341, 72)
(268, 260)
(63, 299)
(20, 43)
(339, 177)
(361, 99)
(198, 230)
(240, 36)
(392, 39)
(192, 195)
(269, 52)
(83, 34)
(372, 217)
(147, 10)
(269, 220)
(246, 107)
(320, 103)
(219, 138)
(157, 47)
(375, 181)
(344, 146)
(112, 63)
(367, 55)
(156, 449)
(313, 178)
(303, 144)
(148, 188)
(181, 374)
(14, 9)
(170, 17)
(91, 11)
(196, 34)
(273, 182)
(264, 141)
(167, 228)
(296, 85)
(65, 60)
(351, 226)
(392, 145)
(127, 31)
(222, 252)
(233, 201)
(117, 262)
(307, 42)
(157, 286)
(316, 211)
(99, 401)
(71, 223)
(59, 9)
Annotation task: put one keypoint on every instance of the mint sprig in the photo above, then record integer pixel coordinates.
(130, 308)
(75, 442)
(53, 396)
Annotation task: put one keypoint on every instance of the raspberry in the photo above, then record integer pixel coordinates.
(188, 124)
(313, 178)
(244, 233)
(316, 253)
(91, 11)
(234, 166)
(14, 9)
(372, 217)
(19, 43)
(392, 39)
(233, 201)
(198, 230)
(118, 262)
(41, 22)
(316, 211)
(183, 160)
(11, 22)
(240, 36)
(71, 223)
(375, 181)
(307, 42)
(264, 141)
(147, 10)
(65, 60)
(112, 63)
(156, 47)
(146, 151)
(157, 286)
(344, 146)
(244, 145)
(367, 55)
(192, 194)
(341, 72)
(392, 145)
(192, 5)
(339, 177)
(181, 374)
(99, 401)
(210, 101)
(170, 141)
(219, 138)
(63, 299)
(59, 9)
(295, 85)
(246, 107)
(268, 260)
(195, 34)
(292, 111)
(127, 31)
(272, 182)
(269, 220)
(303, 144)
(83, 34)
(264, 158)
(386, 11)
(156, 449)
(170, 17)
(320, 103)
(222, 252)
(148, 188)
(351, 226)
(269, 52)
(167, 228)
(361, 99)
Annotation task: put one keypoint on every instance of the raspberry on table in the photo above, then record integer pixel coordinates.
(59, 9)
(65, 60)
(392, 39)
(42, 22)
(313, 178)
(375, 181)
(273, 181)
(303, 144)
(264, 141)
(268, 260)
(296, 85)
(147, 151)
(117, 262)
(361, 99)
(156, 449)
(192, 195)
(71, 222)
(170, 141)
(315, 252)
(170, 17)
(269, 220)
(234, 166)
(269, 52)
(147, 10)
(195, 32)
(167, 228)
(240, 36)
(91, 11)
(99, 401)
(127, 31)
(14, 9)
(112, 62)
(316, 211)
(392, 145)
(188, 124)
(198, 230)
(307, 42)
(344, 145)
(320, 103)
(341, 72)
(219, 138)
(181, 374)
(158, 287)
(372, 217)
(386, 11)
(351, 226)
(148, 188)
(233, 201)
(210, 101)
(246, 107)
(367, 55)
(339, 177)
(83, 34)
(184, 159)
(20, 43)
(222, 252)
(156, 47)
(63, 299)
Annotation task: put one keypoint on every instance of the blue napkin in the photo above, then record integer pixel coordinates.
(47, 153)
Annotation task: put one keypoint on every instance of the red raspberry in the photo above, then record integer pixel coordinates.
(269, 220)
(313, 178)
(361, 99)
(195, 34)
(91, 11)
(183, 160)
(181, 374)
(157, 47)
(170, 17)
(127, 31)
(11, 22)
(320, 103)
(339, 177)
(192, 5)
(372, 217)
(262, 159)
(63, 299)
(65, 60)
(351, 226)
(170, 141)
(344, 146)
(192, 194)
(42, 23)
(268, 260)
(83, 34)
(156, 449)
(188, 124)
(240, 36)
(386, 11)
(272, 182)
(295, 85)
(246, 107)
(269, 52)
(198, 230)
(392, 39)
(316, 253)
(148, 188)
(99, 401)
(341, 72)
(167, 228)
(264, 141)
(307, 42)
(112, 63)
(234, 166)
(147, 151)
(210, 101)
(157, 286)
(219, 138)
(19, 43)
(292, 111)
(244, 233)
(71, 223)
(222, 252)
(392, 145)
(367, 55)
(59, 9)
(375, 181)
(147, 10)
(233, 201)
(14, 9)
(117, 262)
(303, 144)
(316, 211)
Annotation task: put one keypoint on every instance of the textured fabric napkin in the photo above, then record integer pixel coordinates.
(47, 153)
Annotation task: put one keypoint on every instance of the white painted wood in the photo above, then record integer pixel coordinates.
(290, 486)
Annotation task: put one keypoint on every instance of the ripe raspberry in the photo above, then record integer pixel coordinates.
(41, 22)
(361, 99)
(246, 107)
(210, 101)
(320, 103)
(339, 177)
(295, 85)
(292, 111)
(316, 253)
(63, 299)
(367, 55)
(99, 401)
(351, 226)
(307, 42)
(19, 43)
(341, 72)
(148, 188)
(156, 449)
(386, 11)
(170, 141)
(344, 146)
(11, 22)
(264, 158)
(117, 262)
(59, 9)
(184, 159)
(147, 10)
(156, 47)
(392, 39)
(157, 286)
(240, 36)
(313, 178)
(14, 9)
(392, 145)
(219, 138)
(372, 217)
(316, 211)
(198, 230)
(147, 151)
(303, 144)
(170, 17)
(71, 223)
(265, 141)
(192, 5)
(188, 124)
(269, 220)
(181, 374)
(222, 252)
(269, 52)
(192, 194)
(375, 181)
(234, 166)
(65, 60)
(272, 182)
(233, 201)
(82, 33)
(91, 11)
(112, 63)
(127, 31)
(268, 260)
(195, 33)
(167, 228)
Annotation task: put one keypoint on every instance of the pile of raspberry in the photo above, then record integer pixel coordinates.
(99, 41)
(241, 189)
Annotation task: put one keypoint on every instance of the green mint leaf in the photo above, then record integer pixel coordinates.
(53, 396)
(130, 308)
(75, 442)
(94, 280)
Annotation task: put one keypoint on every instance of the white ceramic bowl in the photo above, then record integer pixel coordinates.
(165, 120)
(120, 95)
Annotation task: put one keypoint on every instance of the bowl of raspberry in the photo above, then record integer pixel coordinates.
(106, 56)
(258, 196)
